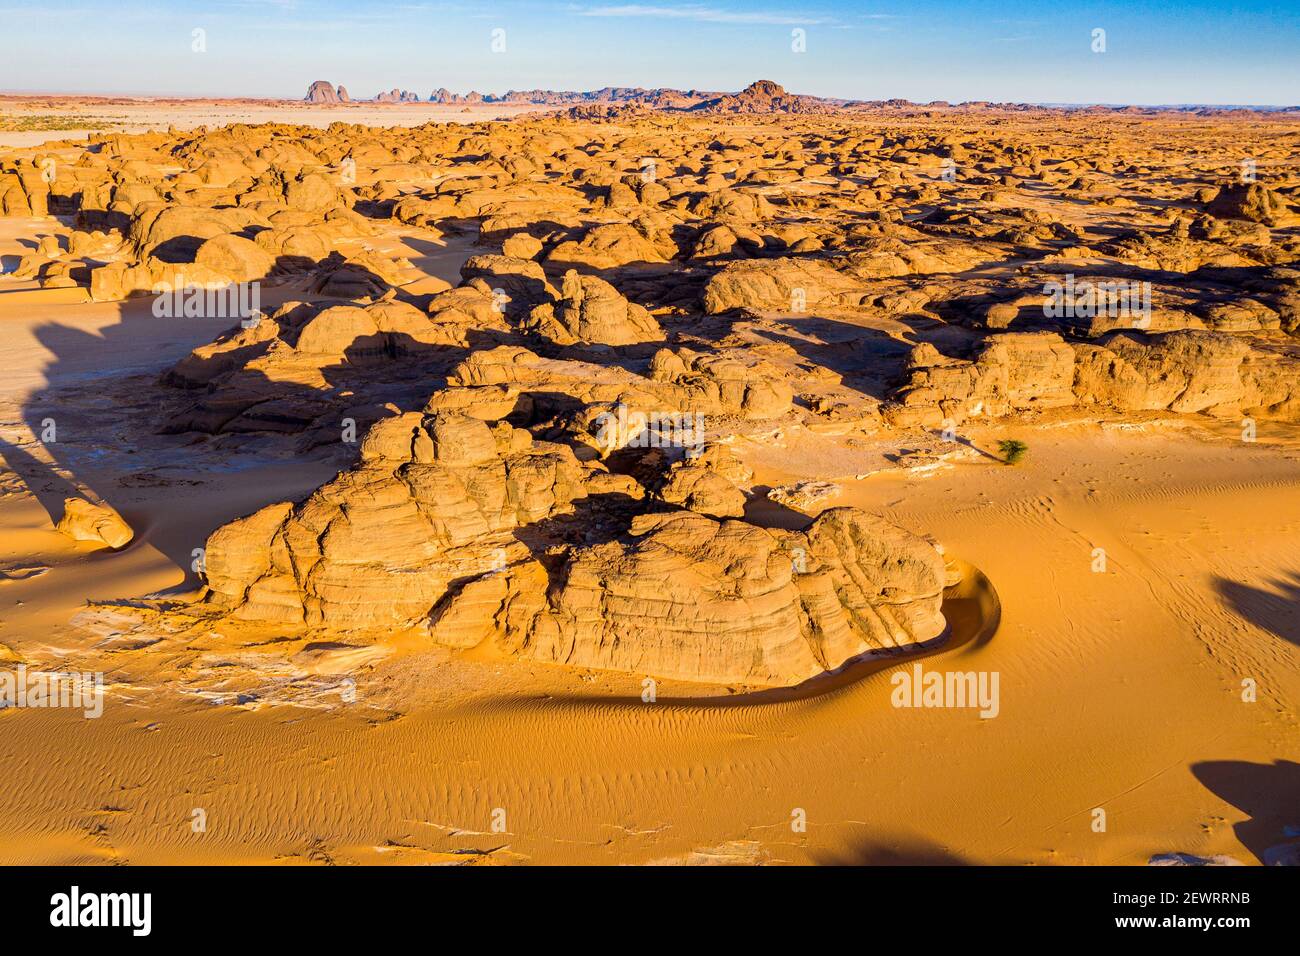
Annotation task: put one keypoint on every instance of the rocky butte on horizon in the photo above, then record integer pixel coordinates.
(761, 96)
(323, 91)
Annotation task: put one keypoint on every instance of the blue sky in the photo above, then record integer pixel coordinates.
(1171, 52)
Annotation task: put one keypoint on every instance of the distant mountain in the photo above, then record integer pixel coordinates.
(398, 96)
(766, 97)
(322, 91)
(763, 96)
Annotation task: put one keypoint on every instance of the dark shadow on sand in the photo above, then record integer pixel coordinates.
(1269, 793)
(1276, 611)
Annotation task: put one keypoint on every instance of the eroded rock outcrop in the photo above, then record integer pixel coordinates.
(796, 285)
(1185, 371)
(1188, 372)
(681, 380)
(100, 524)
(764, 96)
(322, 91)
(686, 596)
(1012, 372)
(432, 502)
(1254, 202)
(591, 310)
(443, 527)
(704, 283)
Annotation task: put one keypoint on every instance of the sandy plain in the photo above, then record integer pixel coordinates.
(74, 116)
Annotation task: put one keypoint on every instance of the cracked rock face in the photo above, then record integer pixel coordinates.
(466, 530)
(1186, 372)
(429, 505)
(687, 596)
(592, 311)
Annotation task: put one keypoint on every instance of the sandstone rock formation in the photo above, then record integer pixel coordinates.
(322, 91)
(397, 96)
(443, 526)
(1254, 202)
(764, 96)
(698, 484)
(84, 521)
(1185, 372)
(690, 597)
(1012, 372)
(592, 310)
(23, 190)
(681, 380)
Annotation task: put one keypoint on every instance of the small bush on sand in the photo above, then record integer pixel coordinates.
(1012, 450)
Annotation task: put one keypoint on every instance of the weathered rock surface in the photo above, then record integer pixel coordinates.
(322, 91)
(431, 504)
(1012, 372)
(690, 597)
(681, 380)
(697, 484)
(442, 526)
(1186, 372)
(1253, 202)
(593, 311)
(84, 521)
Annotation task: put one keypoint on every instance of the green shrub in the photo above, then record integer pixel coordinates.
(1012, 450)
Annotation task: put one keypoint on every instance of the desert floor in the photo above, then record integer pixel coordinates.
(75, 116)
(1120, 690)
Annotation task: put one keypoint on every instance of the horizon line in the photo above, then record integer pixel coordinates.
(201, 97)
